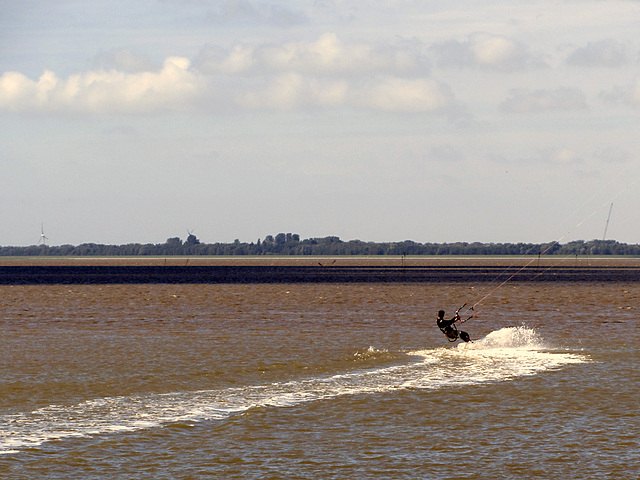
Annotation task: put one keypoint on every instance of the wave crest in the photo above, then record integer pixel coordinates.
(509, 337)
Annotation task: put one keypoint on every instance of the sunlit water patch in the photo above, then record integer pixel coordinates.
(501, 356)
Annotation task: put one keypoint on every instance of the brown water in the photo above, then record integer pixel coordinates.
(318, 381)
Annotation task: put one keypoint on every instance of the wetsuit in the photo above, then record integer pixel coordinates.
(448, 327)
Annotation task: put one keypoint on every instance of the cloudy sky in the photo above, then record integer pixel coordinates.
(433, 121)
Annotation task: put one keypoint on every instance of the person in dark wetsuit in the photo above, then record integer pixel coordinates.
(448, 327)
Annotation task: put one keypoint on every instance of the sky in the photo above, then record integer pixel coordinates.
(432, 121)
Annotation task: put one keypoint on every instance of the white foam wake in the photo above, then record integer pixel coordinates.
(510, 337)
(501, 356)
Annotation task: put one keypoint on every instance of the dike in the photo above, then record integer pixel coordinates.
(172, 274)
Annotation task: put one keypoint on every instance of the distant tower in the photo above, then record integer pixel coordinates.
(43, 237)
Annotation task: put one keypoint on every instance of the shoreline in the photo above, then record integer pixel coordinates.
(243, 273)
(507, 261)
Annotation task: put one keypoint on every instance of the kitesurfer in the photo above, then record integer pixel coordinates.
(448, 327)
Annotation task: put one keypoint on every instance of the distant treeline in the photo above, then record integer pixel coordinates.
(290, 244)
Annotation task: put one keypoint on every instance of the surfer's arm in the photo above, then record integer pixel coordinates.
(446, 323)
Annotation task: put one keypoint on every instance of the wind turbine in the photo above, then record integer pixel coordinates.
(607, 224)
(43, 237)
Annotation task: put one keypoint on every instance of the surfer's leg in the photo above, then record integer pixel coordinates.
(465, 336)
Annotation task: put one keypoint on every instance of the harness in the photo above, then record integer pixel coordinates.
(451, 331)
(450, 328)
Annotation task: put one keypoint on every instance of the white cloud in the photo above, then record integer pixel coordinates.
(525, 101)
(174, 87)
(548, 155)
(213, 59)
(605, 53)
(403, 95)
(563, 156)
(494, 51)
(326, 55)
(326, 72)
(291, 91)
(389, 94)
(487, 51)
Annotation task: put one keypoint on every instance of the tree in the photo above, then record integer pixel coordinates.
(281, 238)
(174, 242)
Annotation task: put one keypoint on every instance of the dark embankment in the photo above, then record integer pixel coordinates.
(130, 274)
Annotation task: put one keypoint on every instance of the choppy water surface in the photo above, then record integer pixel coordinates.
(318, 381)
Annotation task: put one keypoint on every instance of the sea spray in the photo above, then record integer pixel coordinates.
(500, 356)
(510, 337)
